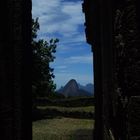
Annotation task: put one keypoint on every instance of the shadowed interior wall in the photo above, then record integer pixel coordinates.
(112, 29)
(15, 70)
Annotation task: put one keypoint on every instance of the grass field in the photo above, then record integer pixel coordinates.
(69, 109)
(86, 112)
(63, 129)
(73, 120)
(66, 102)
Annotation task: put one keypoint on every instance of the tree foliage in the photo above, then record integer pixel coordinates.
(43, 54)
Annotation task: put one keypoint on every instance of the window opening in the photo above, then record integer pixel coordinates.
(62, 84)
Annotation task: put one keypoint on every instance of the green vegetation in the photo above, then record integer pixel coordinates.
(64, 123)
(69, 109)
(43, 55)
(66, 102)
(82, 107)
(73, 112)
(63, 129)
(44, 112)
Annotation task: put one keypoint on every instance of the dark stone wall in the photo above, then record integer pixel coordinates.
(134, 118)
(112, 29)
(92, 17)
(15, 66)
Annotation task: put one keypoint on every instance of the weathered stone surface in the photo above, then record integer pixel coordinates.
(134, 117)
(15, 60)
(113, 31)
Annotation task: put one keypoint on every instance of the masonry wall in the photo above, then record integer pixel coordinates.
(15, 63)
(112, 29)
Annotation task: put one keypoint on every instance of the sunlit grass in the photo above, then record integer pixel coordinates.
(63, 129)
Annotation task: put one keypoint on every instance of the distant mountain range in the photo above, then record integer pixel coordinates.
(88, 87)
(72, 88)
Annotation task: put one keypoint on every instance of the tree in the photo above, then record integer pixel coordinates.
(43, 55)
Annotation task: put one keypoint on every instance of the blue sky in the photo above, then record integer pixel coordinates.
(63, 19)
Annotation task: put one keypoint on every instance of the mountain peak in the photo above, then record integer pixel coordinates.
(73, 83)
(73, 80)
(72, 89)
(88, 87)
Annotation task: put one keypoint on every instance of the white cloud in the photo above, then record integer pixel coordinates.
(74, 10)
(87, 59)
(61, 17)
(61, 67)
(40, 7)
